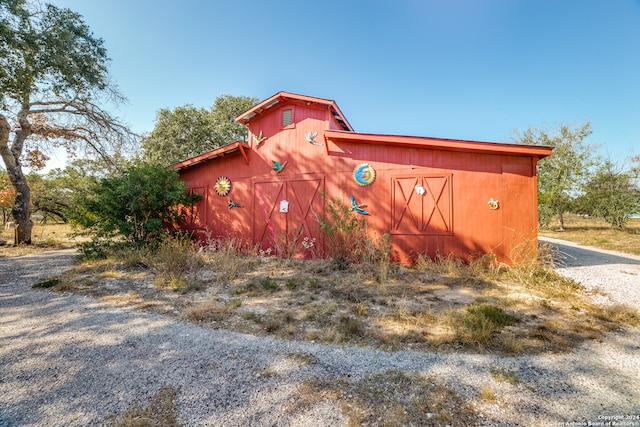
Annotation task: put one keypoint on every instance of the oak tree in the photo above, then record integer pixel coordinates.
(561, 176)
(612, 194)
(187, 131)
(53, 79)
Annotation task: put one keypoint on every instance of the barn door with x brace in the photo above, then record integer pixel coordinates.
(421, 205)
(286, 217)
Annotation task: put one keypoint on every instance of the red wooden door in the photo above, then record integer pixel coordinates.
(286, 217)
(421, 205)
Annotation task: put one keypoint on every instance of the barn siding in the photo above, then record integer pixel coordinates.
(464, 225)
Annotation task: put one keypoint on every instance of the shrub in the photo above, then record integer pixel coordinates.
(135, 204)
(269, 284)
(347, 238)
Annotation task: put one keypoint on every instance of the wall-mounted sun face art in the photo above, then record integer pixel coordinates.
(223, 186)
(364, 174)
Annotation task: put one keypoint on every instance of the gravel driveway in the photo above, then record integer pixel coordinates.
(68, 360)
(615, 274)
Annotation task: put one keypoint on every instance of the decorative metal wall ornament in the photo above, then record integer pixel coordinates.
(493, 204)
(258, 139)
(356, 207)
(223, 186)
(364, 174)
(277, 166)
(233, 204)
(310, 137)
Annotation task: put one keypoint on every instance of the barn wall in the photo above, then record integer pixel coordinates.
(452, 216)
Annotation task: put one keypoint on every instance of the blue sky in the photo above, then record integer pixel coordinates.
(462, 69)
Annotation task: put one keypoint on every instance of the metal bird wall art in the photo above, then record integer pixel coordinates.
(233, 204)
(310, 137)
(277, 166)
(356, 207)
(258, 139)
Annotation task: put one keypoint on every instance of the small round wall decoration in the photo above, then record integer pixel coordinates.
(223, 186)
(364, 174)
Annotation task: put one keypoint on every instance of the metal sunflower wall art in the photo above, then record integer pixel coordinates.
(364, 174)
(223, 186)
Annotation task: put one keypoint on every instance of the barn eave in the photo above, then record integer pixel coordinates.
(235, 147)
(538, 151)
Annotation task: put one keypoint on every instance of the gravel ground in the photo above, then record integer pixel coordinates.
(67, 360)
(616, 275)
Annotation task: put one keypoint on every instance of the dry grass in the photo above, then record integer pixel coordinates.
(487, 394)
(438, 305)
(160, 410)
(44, 237)
(390, 398)
(443, 306)
(596, 232)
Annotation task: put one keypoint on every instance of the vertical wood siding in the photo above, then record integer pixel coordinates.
(451, 216)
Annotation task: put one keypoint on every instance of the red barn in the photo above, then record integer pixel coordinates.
(431, 195)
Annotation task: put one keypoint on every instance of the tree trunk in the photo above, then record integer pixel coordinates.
(22, 213)
(11, 156)
(560, 222)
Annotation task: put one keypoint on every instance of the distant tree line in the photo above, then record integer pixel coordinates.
(576, 179)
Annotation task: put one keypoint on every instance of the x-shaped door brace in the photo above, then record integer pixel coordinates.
(436, 199)
(303, 211)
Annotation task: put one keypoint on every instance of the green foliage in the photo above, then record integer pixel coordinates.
(48, 51)
(479, 323)
(612, 194)
(53, 75)
(49, 283)
(178, 134)
(562, 175)
(269, 284)
(135, 204)
(222, 115)
(504, 375)
(187, 131)
(490, 313)
(55, 194)
(347, 239)
(291, 284)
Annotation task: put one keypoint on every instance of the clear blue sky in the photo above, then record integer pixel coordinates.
(464, 69)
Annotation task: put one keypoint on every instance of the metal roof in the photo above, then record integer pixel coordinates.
(539, 151)
(238, 146)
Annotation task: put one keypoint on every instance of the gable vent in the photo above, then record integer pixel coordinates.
(287, 117)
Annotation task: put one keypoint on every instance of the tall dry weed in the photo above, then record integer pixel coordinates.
(230, 257)
(539, 273)
(175, 259)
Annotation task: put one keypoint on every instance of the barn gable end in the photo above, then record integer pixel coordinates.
(430, 195)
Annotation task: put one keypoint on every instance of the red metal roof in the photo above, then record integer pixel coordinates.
(282, 97)
(439, 143)
(218, 152)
